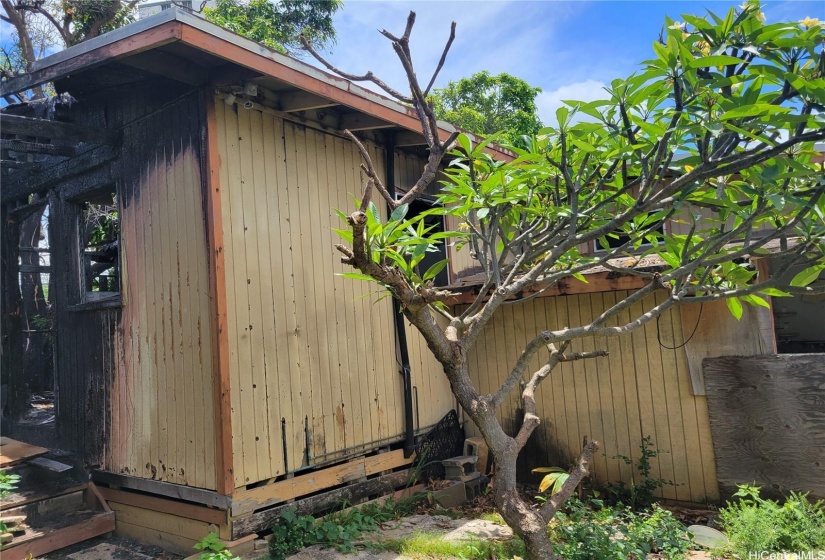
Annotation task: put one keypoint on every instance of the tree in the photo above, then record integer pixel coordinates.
(486, 104)
(277, 24)
(720, 121)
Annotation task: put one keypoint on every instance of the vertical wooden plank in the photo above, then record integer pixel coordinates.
(302, 390)
(621, 402)
(677, 401)
(260, 292)
(579, 380)
(661, 403)
(600, 371)
(226, 182)
(276, 337)
(643, 385)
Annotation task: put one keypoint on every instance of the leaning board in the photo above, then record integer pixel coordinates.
(767, 417)
(13, 451)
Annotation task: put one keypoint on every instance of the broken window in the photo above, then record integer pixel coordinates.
(100, 246)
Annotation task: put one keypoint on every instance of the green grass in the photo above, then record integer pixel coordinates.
(493, 517)
(432, 545)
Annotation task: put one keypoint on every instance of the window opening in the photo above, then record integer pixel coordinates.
(417, 207)
(100, 246)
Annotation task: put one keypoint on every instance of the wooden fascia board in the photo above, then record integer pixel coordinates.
(598, 282)
(89, 58)
(311, 80)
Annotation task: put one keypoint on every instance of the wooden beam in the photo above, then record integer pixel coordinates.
(302, 101)
(21, 146)
(598, 282)
(407, 138)
(14, 164)
(56, 130)
(359, 121)
(154, 503)
(188, 493)
(168, 66)
(248, 500)
(224, 466)
(263, 520)
(21, 185)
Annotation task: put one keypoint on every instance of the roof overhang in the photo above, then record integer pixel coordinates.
(176, 28)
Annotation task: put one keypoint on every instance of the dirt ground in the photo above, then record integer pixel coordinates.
(113, 548)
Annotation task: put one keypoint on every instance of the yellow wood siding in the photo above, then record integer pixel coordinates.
(641, 389)
(162, 422)
(312, 355)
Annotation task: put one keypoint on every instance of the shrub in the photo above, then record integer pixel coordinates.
(212, 548)
(617, 533)
(754, 524)
(639, 495)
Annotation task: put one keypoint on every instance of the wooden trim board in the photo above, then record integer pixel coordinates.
(153, 503)
(249, 500)
(217, 290)
(179, 491)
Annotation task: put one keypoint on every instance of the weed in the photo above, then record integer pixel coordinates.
(754, 524)
(616, 533)
(433, 545)
(8, 482)
(339, 530)
(639, 495)
(213, 549)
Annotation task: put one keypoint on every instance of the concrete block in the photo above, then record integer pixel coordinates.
(452, 496)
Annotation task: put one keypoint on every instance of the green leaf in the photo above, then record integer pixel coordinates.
(399, 213)
(755, 110)
(735, 307)
(482, 213)
(376, 215)
(580, 277)
(434, 270)
(547, 470)
(807, 276)
(756, 301)
(356, 276)
(717, 60)
(775, 292)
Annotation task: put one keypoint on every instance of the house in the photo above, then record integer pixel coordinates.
(209, 365)
(183, 195)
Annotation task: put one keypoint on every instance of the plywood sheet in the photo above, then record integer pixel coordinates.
(767, 415)
(13, 452)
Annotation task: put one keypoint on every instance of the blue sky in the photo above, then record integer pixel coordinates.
(568, 48)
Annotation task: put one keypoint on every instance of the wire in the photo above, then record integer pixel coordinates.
(695, 328)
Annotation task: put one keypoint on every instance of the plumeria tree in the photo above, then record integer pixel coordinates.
(716, 130)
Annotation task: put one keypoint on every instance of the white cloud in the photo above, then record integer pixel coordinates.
(549, 101)
(498, 36)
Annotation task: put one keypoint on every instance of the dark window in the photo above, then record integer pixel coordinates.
(617, 240)
(100, 246)
(431, 258)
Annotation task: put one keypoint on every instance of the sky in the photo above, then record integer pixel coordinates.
(569, 49)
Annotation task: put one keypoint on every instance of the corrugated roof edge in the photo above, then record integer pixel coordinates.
(196, 22)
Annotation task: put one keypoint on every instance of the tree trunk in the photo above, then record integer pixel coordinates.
(523, 519)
